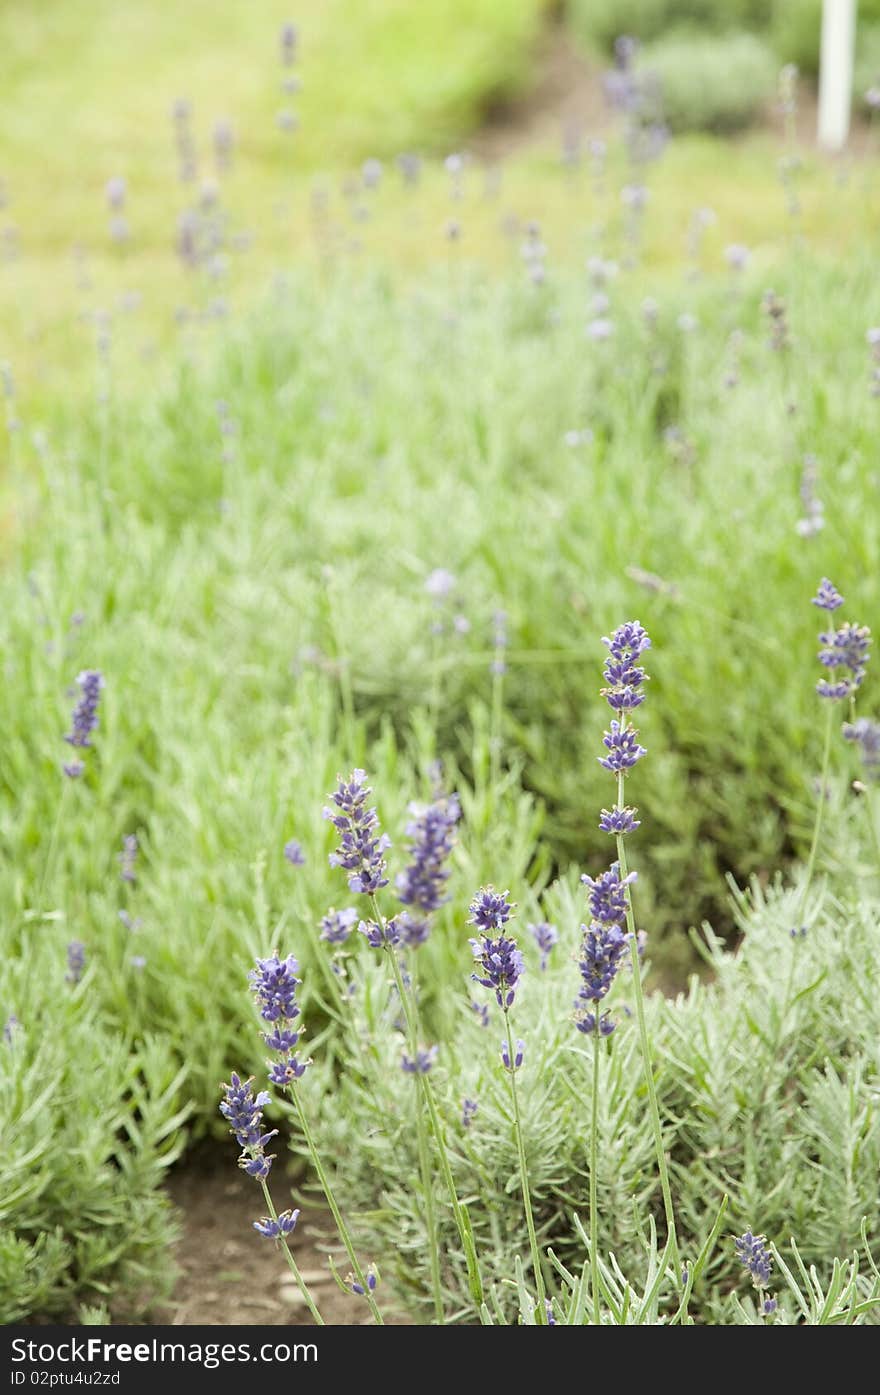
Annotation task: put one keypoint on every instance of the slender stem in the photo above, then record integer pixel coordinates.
(424, 1162)
(294, 1269)
(817, 826)
(524, 1177)
(344, 1233)
(646, 1053)
(594, 1165)
(464, 1231)
(497, 718)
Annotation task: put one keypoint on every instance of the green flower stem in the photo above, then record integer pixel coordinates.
(294, 1269)
(594, 1166)
(817, 826)
(524, 1178)
(344, 1233)
(646, 1054)
(461, 1221)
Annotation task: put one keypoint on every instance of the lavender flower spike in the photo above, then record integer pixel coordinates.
(827, 597)
(865, 732)
(361, 845)
(545, 936)
(499, 958)
(85, 715)
(622, 746)
(244, 1113)
(76, 961)
(128, 857)
(274, 1230)
(432, 831)
(752, 1253)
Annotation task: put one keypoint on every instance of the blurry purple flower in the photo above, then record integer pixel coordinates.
(294, 854)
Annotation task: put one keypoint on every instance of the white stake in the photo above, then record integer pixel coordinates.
(836, 72)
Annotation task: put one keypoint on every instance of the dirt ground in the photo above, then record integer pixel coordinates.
(231, 1274)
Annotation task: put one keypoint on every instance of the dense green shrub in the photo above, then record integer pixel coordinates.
(600, 22)
(90, 1119)
(713, 83)
(767, 1080)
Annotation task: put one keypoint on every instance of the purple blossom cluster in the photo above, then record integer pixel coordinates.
(361, 845)
(421, 885)
(422, 1062)
(128, 857)
(244, 1114)
(84, 720)
(753, 1255)
(274, 984)
(545, 936)
(603, 946)
(497, 958)
(336, 926)
(844, 652)
(76, 961)
(865, 733)
(624, 678)
(518, 1055)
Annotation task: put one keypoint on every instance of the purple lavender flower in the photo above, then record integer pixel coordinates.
(440, 583)
(519, 1054)
(285, 1071)
(360, 849)
(619, 820)
(827, 597)
(354, 1286)
(431, 830)
(10, 1027)
(499, 958)
(600, 959)
(273, 1230)
(608, 895)
(274, 984)
(500, 641)
(128, 857)
(490, 910)
(73, 769)
(287, 40)
(468, 1111)
(502, 964)
(623, 748)
(294, 854)
(76, 961)
(422, 1063)
(482, 1012)
(380, 935)
(336, 926)
(545, 936)
(752, 1253)
(412, 930)
(244, 1114)
(623, 674)
(85, 715)
(843, 649)
(865, 732)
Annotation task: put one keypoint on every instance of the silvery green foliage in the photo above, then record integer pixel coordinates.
(767, 1081)
(90, 1121)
